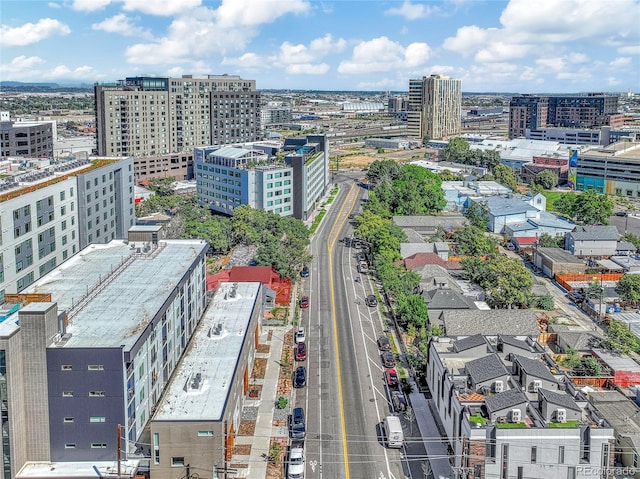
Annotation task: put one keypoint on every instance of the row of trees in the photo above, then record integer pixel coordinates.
(458, 150)
(281, 242)
(589, 207)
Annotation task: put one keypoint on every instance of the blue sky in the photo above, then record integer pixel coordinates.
(525, 46)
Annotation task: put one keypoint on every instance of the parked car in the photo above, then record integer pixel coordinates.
(391, 376)
(621, 213)
(298, 430)
(388, 360)
(300, 378)
(295, 470)
(304, 272)
(371, 300)
(300, 335)
(301, 352)
(384, 344)
(361, 257)
(304, 302)
(398, 401)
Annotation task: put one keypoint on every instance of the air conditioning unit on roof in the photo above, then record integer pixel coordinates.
(516, 415)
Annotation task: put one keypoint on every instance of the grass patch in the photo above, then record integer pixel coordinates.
(335, 190)
(330, 200)
(552, 197)
(477, 419)
(510, 425)
(316, 222)
(569, 424)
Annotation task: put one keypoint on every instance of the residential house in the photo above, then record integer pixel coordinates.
(552, 261)
(597, 240)
(497, 426)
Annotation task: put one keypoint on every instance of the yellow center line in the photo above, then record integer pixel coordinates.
(331, 240)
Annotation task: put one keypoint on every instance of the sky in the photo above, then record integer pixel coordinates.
(518, 46)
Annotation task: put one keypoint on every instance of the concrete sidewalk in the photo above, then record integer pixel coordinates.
(436, 448)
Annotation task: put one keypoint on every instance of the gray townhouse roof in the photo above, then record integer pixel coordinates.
(407, 249)
(550, 220)
(578, 340)
(512, 322)
(626, 246)
(486, 368)
(504, 400)
(558, 255)
(445, 299)
(515, 342)
(534, 367)
(469, 342)
(620, 412)
(561, 399)
(595, 233)
(413, 236)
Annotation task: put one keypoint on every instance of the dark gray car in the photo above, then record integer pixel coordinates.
(298, 430)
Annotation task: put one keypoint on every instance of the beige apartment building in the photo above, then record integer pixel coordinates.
(434, 109)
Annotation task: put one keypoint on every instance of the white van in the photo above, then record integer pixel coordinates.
(393, 432)
(363, 267)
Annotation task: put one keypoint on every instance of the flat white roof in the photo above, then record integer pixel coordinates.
(213, 354)
(128, 289)
(102, 469)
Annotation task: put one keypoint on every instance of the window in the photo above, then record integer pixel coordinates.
(98, 445)
(177, 461)
(70, 445)
(68, 419)
(95, 367)
(94, 394)
(205, 433)
(156, 448)
(520, 472)
(571, 472)
(67, 394)
(561, 455)
(97, 419)
(66, 367)
(534, 453)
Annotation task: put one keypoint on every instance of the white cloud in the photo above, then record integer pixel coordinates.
(21, 64)
(383, 55)
(30, 33)
(411, 11)
(64, 72)
(468, 39)
(54, 5)
(122, 25)
(499, 51)
(203, 32)
(620, 62)
(298, 59)
(89, 5)
(613, 81)
(629, 50)
(164, 8)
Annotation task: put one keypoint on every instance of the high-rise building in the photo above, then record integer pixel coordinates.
(50, 213)
(153, 116)
(434, 109)
(230, 176)
(532, 112)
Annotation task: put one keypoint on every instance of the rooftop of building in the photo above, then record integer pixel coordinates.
(621, 149)
(558, 255)
(489, 322)
(474, 377)
(80, 470)
(112, 291)
(20, 176)
(200, 386)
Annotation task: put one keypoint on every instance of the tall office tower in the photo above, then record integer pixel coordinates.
(147, 116)
(434, 107)
(532, 112)
(26, 138)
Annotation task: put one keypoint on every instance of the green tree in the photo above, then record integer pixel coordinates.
(546, 302)
(592, 208)
(619, 338)
(417, 191)
(629, 288)
(513, 283)
(548, 241)
(447, 175)
(471, 241)
(547, 179)
(504, 175)
(412, 310)
(478, 215)
(565, 204)
(382, 172)
(457, 150)
(572, 359)
(592, 367)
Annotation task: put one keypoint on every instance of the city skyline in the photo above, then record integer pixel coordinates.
(559, 46)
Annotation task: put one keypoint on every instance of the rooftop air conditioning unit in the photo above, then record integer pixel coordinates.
(561, 415)
(498, 386)
(537, 384)
(516, 415)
